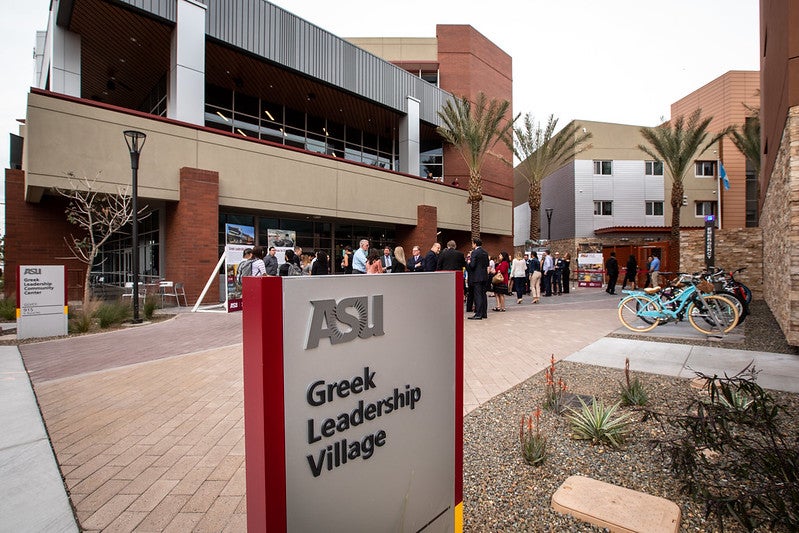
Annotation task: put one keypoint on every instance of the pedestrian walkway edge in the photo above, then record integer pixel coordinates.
(32, 494)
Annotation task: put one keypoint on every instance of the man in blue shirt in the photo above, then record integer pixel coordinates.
(359, 257)
(654, 269)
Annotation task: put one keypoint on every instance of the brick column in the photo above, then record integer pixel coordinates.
(424, 234)
(191, 236)
(35, 235)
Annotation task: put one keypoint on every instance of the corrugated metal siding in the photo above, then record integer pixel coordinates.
(559, 191)
(165, 9)
(270, 32)
(629, 190)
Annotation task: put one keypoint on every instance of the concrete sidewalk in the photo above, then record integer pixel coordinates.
(32, 496)
(147, 423)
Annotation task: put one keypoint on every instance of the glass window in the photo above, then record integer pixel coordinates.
(247, 105)
(218, 96)
(654, 168)
(705, 208)
(603, 168)
(654, 208)
(430, 76)
(603, 207)
(705, 169)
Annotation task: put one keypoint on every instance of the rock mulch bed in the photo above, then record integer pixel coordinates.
(503, 493)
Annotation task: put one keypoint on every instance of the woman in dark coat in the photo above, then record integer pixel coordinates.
(319, 267)
(632, 272)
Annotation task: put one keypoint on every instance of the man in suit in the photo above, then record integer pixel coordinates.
(612, 268)
(386, 261)
(416, 261)
(430, 260)
(478, 278)
(451, 259)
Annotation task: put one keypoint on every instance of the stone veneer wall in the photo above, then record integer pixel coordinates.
(735, 248)
(780, 224)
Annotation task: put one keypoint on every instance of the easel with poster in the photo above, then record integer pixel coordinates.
(589, 270)
(237, 239)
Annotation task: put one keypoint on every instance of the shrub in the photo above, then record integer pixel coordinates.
(80, 320)
(150, 305)
(632, 393)
(730, 450)
(111, 313)
(596, 423)
(553, 396)
(8, 308)
(534, 445)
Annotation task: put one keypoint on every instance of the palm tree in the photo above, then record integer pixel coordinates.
(473, 130)
(677, 143)
(748, 140)
(541, 154)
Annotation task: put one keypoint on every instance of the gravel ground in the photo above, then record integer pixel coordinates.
(503, 493)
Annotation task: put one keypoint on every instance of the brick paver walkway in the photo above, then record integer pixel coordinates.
(147, 423)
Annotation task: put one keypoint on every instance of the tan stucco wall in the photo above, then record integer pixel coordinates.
(65, 136)
(418, 49)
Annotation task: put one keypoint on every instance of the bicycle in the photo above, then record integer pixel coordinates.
(643, 310)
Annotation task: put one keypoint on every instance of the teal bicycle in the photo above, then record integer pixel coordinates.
(711, 314)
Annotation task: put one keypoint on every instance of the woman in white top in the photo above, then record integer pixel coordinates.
(258, 266)
(518, 271)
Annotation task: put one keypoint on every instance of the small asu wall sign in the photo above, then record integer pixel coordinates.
(41, 301)
(353, 402)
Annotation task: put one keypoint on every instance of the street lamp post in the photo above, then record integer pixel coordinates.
(135, 141)
(549, 222)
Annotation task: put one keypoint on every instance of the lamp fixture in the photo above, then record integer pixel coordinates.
(222, 116)
(268, 114)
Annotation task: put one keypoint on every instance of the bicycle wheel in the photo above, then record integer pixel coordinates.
(739, 301)
(747, 292)
(716, 314)
(631, 306)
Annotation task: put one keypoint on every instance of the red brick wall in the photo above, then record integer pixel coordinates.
(424, 234)
(35, 234)
(192, 235)
(470, 63)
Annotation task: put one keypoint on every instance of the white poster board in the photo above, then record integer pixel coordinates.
(41, 301)
(590, 272)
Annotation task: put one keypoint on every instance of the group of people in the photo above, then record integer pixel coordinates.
(631, 272)
(364, 261)
(546, 276)
(262, 261)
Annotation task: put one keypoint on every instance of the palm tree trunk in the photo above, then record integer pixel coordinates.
(674, 244)
(475, 219)
(475, 197)
(534, 201)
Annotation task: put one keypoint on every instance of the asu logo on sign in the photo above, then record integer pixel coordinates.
(344, 321)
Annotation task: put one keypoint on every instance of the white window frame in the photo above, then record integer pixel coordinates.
(704, 165)
(649, 208)
(709, 203)
(649, 168)
(599, 167)
(599, 208)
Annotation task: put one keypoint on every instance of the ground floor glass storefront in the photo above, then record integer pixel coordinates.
(114, 264)
(312, 235)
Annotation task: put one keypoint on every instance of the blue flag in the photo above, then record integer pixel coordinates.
(723, 176)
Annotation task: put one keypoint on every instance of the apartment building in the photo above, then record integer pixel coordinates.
(731, 99)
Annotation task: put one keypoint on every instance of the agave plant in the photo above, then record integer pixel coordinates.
(597, 424)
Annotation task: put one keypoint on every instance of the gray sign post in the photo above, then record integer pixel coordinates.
(710, 241)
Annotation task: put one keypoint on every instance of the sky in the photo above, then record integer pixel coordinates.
(622, 61)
